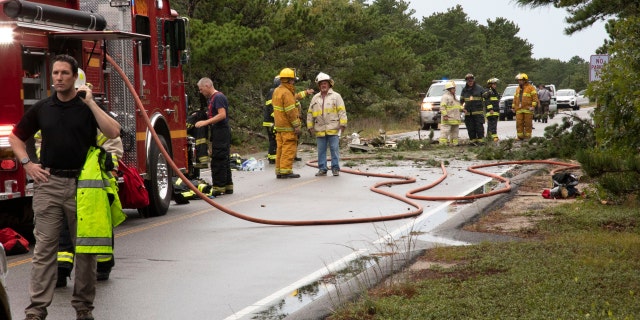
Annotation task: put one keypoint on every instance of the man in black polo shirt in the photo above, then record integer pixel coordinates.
(68, 124)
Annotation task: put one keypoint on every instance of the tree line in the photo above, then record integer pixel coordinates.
(380, 55)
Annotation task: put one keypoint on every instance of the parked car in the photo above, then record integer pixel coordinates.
(430, 107)
(582, 99)
(5, 309)
(567, 98)
(506, 113)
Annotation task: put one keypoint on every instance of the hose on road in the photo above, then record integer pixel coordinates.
(394, 180)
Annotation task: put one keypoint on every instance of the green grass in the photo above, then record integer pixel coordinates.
(584, 264)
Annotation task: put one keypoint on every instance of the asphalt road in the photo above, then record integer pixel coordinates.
(507, 129)
(198, 262)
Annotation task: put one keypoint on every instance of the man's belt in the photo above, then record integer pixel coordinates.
(65, 173)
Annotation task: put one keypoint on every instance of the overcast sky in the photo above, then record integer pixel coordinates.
(542, 27)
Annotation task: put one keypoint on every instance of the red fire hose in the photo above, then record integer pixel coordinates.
(395, 179)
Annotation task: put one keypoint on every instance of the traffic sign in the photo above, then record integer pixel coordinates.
(595, 66)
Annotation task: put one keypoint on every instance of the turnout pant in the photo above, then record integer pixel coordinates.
(475, 126)
(273, 144)
(286, 151)
(492, 127)
(449, 133)
(221, 178)
(524, 125)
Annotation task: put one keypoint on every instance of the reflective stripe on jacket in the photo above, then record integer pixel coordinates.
(492, 114)
(285, 113)
(268, 110)
(471, 98)
(450, 106)
(326, 114)
(525, 98)
(491, 97)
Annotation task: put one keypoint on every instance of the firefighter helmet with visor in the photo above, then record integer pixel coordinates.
(324, 77)
(449, 85)
(287, 73)
(522, 76)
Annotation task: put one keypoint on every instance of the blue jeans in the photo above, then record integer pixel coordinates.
(334, 146)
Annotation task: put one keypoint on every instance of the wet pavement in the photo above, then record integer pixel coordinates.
(199, 262)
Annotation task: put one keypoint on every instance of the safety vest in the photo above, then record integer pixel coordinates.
(96, 215)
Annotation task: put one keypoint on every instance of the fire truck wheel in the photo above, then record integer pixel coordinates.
(159, 185)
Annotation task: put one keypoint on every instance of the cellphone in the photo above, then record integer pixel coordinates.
(82, 94)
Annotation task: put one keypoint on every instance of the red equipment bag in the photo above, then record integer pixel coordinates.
(13, 242)
(132, 193)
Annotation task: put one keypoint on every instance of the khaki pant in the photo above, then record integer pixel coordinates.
(53, 201)
(286, 151)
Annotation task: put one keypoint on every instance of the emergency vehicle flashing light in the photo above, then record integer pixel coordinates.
(6, 35)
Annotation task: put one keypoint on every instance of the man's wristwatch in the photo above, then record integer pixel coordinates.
(25, 160)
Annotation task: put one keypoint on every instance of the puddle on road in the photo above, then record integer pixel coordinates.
(313, 291)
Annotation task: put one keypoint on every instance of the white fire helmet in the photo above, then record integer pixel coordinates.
(449, 85)
(324, 77)
(82, 79)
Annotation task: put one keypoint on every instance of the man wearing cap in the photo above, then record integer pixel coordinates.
(471, 98)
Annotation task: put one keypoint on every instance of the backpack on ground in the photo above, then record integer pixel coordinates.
(13, 242)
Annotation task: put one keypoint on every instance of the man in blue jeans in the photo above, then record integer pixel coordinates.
(327, 118)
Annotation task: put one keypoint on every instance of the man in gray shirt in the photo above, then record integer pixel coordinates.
(542, 110)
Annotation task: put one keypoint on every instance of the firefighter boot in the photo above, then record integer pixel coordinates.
(63, 274)
(105, 263)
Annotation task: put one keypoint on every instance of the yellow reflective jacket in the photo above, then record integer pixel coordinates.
(525, 98)
(98, 207)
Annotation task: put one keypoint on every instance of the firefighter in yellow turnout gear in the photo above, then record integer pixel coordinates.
(525, 101)
(287, 123)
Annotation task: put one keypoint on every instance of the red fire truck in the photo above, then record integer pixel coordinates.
(145, 38)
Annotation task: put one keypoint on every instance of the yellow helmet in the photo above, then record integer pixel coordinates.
(493, 80)
(522, 76)
(287, 73)
(449, 85)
